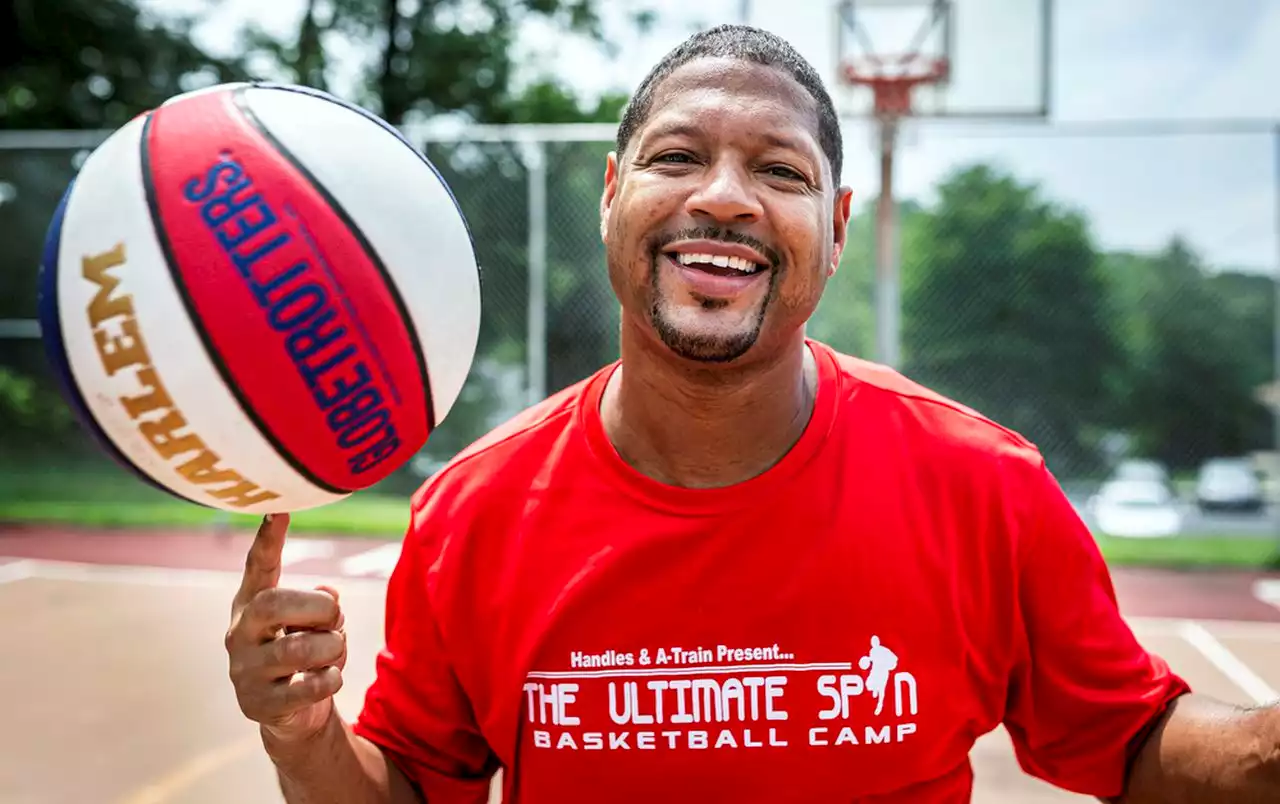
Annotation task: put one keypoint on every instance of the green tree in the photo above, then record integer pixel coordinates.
(69, 64)
(436, 57)
(74, 64)
(446, 56)
(1004, 309)
(77, 64)
(1201, 351)
(846, 317)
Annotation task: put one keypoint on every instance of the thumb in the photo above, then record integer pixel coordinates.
(262, 563)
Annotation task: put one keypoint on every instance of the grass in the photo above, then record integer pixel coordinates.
(1192, 551)
(103, 496)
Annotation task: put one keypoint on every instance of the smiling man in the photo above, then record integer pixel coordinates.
(735, 565)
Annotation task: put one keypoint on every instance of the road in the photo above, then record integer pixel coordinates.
(1265, 524)
(1194, 521)
(118, 661)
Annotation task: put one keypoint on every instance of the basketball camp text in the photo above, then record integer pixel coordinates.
(720, 697)
(738, 711)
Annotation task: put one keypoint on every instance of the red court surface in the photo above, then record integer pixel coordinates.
(115, 686)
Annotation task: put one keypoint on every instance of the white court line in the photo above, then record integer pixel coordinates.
(15, 571)
(1257, 630)
(1268, 591)
(1230, 664)
(378, 562)
(176, 577)
(381, 559)
(296, 550)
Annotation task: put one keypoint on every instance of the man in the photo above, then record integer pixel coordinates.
(735, 566)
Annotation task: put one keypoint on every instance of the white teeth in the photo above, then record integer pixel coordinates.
(736, 263)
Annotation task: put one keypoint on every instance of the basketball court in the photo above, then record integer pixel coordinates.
(115, 684)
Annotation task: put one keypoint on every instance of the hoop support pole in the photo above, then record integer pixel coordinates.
(892, 95)
(888, 296)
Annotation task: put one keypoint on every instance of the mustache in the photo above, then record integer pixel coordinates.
(659, 242)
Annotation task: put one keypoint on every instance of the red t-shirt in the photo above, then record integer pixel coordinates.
(840, 628)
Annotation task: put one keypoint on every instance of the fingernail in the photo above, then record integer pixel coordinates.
(267, 518)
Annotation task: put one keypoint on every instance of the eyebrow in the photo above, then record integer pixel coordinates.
(689, 130)
(674, 130)
(786, 143)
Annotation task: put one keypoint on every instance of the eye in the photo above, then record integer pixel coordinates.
(784, 172)
(674, 157)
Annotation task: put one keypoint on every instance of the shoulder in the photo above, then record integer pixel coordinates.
(464, 518)
(988, 480)
(930, 424)
(504, 458)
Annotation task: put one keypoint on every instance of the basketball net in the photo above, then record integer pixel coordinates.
(892, 80)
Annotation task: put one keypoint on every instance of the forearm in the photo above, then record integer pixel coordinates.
(1207, 751)
(338, 766)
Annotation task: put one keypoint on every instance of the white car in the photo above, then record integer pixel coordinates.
(1229, 484)
(1142, 469)
(1136, 509)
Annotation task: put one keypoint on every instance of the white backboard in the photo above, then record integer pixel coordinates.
(1000, 51)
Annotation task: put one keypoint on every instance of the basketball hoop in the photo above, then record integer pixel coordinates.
(893, 79)
(902, 60)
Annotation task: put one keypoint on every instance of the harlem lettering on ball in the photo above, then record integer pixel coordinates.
(278, 264)
(122, 350)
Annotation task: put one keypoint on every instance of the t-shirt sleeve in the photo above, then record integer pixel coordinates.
(416, 710)
(1084, 691)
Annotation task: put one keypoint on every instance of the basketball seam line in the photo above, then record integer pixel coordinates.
(375, 258)
(166, 249)
(399, 135)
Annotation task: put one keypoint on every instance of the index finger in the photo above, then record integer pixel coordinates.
(262, 563)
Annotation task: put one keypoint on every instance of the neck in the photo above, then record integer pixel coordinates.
(707, 426)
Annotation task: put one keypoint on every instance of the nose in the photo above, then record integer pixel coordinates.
(725, 195)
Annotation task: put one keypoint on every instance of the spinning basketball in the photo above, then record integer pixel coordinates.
(260, 298)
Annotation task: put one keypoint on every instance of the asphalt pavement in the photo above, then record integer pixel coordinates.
(1266, 524)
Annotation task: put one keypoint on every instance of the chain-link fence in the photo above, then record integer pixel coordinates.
(1015, 297)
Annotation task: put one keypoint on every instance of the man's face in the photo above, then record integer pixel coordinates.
(722, 222)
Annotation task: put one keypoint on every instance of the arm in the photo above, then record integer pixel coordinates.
(1205, 751)
(1084, 694)
(286, 650)
(419, 712)
(338, 766)
(416, 738)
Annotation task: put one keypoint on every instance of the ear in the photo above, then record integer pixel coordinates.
(610, 190)
(840, 227)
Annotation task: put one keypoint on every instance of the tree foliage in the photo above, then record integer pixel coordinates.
(444, 56)
(95, 63)
(1008, 304)
(1198, 350)
(1004, 307)
(1011, 308)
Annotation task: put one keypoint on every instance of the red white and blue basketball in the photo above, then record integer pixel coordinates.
(260, 298)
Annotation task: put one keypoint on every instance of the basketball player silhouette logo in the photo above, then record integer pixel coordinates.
(880, 661)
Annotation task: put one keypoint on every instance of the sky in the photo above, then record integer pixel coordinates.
(1176, 61)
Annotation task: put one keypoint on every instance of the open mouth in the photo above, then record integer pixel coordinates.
(716, 264)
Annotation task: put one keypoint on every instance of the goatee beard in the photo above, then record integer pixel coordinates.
(704, 348)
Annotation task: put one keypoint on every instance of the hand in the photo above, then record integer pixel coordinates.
(287, 647)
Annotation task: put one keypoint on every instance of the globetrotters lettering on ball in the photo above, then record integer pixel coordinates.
(260, 298)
